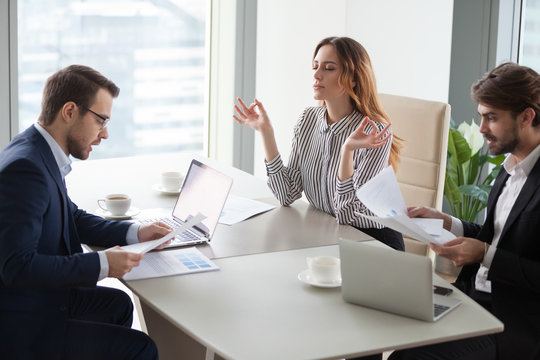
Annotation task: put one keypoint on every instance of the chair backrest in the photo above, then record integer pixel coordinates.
(424, 126)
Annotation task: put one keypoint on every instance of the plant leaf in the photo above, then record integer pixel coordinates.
(492, 175)
(479, 192)
(497, 160)
(451, 191)
(472, 169)
(460, 149)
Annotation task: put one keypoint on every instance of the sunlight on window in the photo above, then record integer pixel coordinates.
(529, 49)
(153, 50)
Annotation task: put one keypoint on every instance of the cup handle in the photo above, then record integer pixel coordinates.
(99, 202)
(309, 260)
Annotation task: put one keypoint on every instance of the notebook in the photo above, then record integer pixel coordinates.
(382, 278)
(204, 191)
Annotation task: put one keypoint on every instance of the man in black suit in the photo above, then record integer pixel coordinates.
(50, 306)
(501, 259)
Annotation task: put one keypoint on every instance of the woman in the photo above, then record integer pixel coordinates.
(337, 146)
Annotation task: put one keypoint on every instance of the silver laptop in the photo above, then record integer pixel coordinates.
(382, 278)
(204, 191)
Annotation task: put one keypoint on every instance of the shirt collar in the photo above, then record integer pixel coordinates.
(63, 162)
(526, 165)
(336, 127)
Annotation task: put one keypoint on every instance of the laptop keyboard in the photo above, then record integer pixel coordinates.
(439, 309)
(186, 236)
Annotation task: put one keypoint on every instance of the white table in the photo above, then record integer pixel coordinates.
(284, 228)
(256, 308)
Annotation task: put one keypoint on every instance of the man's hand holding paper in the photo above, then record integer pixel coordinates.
(381, 195)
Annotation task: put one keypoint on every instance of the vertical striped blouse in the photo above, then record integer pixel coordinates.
(314, 163)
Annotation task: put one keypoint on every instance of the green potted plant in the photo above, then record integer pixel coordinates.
(467, 185)
(468, 178)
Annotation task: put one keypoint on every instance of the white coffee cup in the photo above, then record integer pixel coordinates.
(116, 204)
(171, 180)
(324, 269)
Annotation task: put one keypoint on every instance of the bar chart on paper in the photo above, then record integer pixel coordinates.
(171, 262)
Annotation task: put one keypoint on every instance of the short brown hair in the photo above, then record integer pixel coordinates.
(77, 83)
(510, 87)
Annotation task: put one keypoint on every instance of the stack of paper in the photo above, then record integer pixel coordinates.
(381, 195)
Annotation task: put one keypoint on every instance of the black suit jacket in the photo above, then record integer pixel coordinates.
(515, 270)
(41, 257)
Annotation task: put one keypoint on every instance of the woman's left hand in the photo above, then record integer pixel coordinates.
(361, 139)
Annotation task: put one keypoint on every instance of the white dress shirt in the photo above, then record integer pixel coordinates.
(518, 175)
(64, 164)
(314, 163)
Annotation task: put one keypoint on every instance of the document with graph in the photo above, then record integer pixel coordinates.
(381, 195)
(171, 262)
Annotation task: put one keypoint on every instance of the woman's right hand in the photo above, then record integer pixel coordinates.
(248, 116)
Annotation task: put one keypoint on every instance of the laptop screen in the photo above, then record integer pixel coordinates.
(205, 190)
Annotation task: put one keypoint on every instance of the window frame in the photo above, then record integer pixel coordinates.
(231, 33)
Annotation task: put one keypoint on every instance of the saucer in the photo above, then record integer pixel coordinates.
(160, 189)
(133, 211)
(306, 278)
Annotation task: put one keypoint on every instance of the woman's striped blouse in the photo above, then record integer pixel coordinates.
(314, 163)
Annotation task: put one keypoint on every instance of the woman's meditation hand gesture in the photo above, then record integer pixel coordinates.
(361, 139)
(247, 115)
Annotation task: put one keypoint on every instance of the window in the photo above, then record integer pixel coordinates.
(154, 50)
(529, 47)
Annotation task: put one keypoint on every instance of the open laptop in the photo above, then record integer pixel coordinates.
(382, 278)
(204, 191)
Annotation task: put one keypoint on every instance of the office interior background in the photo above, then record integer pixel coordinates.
(181, 63)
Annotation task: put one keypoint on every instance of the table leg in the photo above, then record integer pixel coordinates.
(209, 354)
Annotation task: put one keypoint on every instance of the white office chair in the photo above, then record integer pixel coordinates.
(424, 126)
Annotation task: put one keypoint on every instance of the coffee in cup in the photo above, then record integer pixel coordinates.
(171, 180)
(116, 204)
(324, 269)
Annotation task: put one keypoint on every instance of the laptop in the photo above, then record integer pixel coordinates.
(204, 191)
(382, 278)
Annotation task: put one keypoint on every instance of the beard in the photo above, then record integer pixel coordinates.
(77, 150)
(505, 145)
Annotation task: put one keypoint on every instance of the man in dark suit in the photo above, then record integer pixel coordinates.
(501, 259)
(50, 306)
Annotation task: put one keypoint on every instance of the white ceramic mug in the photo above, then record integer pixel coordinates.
(324, 269)
(171, 180)
(116, 204)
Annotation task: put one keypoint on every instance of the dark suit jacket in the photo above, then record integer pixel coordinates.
(41, 258)
(515, 270)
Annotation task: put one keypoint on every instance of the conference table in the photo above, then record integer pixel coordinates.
(255, 307)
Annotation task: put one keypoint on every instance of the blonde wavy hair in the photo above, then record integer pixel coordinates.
(358, 80)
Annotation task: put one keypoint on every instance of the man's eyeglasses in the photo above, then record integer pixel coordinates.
(105, 120)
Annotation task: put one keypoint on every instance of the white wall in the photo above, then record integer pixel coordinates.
(409, 43)
(287, 33)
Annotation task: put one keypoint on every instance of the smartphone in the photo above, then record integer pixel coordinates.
(439, 290)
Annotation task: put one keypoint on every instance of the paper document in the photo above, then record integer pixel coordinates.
(144, 247)
(171, 262)
(381, 195)
(238, 209)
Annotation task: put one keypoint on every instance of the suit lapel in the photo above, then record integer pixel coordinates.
(52, 167)
(487, 231)
(525, 195)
